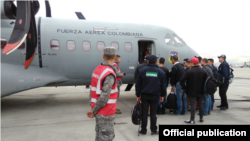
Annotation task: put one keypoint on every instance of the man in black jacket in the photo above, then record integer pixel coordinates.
(224, 70)
(144, 64)
(161, 105)
(150, 85)
(176, 73)
(186, 64)
(195, 79)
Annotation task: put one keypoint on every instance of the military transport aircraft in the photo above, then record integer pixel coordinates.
(46, 51)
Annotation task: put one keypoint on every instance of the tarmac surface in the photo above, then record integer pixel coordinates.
(59, 114)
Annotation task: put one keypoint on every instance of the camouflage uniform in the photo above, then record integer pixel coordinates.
(104, 124)
(118, 74)
(104, 128)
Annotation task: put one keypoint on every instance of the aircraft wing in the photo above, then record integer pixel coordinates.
(16, 79)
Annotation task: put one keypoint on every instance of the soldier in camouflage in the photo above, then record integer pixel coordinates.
(103, 108)
(119, 75)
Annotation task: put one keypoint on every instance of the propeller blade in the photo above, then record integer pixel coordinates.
(48, 9)
(31, 40)
(21, 27)
(36, 6)
(9, 9)
(80, 15)
(129, 86)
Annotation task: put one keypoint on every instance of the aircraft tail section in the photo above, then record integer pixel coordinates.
(245, 64)
(17, 79)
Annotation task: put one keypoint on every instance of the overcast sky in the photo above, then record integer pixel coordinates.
(211, 27)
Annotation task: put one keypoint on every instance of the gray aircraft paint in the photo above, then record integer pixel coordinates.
(69, 68)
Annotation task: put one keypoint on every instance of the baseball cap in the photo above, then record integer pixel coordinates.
(223, 56)
(198, 58)
(152, 57)
(109, 50)
(187, 60)
(194, 60)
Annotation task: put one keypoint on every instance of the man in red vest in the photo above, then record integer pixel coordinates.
(103, 97)
(119, 76)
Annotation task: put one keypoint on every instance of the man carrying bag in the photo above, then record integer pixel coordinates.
(150, 86)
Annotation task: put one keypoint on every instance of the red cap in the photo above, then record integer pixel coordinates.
(194, 60)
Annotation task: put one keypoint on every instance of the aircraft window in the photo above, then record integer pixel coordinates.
(54, 45)
(116, 45)
(100, 46)
(179, 41)
(170, 40)
(128, 47)
(3, 43)
(71, 45)
(86, 46)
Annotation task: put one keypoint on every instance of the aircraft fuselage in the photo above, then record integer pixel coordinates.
(72, 49)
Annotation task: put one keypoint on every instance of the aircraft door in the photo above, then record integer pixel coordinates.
(145, 48)
(151, 48)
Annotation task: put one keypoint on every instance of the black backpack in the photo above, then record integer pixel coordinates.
(171, 101)
(136, 114)
(210, 85)
(218, 78)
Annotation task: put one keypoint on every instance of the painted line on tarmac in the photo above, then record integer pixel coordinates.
(241, 78)
(241, 87)
(235, 100)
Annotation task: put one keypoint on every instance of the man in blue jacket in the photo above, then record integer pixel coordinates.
(223, 70)
(150, 86)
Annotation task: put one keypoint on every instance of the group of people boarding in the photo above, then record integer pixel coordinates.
(187, 81)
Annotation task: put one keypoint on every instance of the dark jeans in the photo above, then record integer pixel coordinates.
(181, 99)
(152, 101)
(192, 100)
(223, 93)
(207, 103)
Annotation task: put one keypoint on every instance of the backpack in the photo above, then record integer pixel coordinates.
(231, 75)
(171, 101)
(136, 114)
(218, 78)
(210, 85)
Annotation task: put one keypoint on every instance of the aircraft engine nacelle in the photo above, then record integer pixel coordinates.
(8, 10)
(25, 26)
